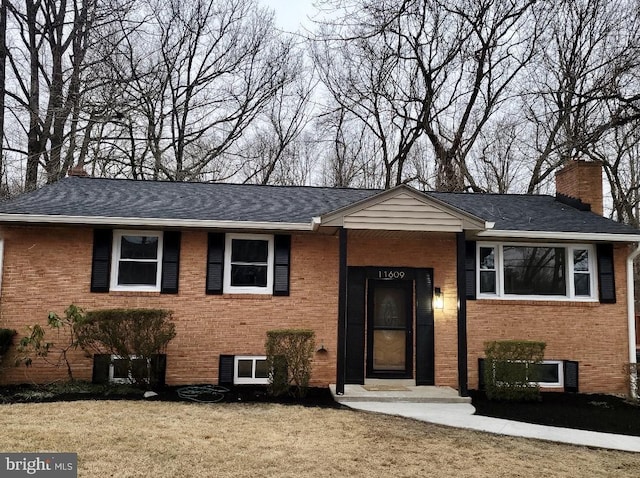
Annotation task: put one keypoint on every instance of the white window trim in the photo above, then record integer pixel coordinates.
(569, 271)
(227, 287)
(129, 379)
(558, 384)
(253, 380)
(115, 261)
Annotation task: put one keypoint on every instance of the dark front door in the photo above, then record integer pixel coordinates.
(389, 329)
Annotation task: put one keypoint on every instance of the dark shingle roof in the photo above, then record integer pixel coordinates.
(520, 212)
(161, 200)
(79, 196)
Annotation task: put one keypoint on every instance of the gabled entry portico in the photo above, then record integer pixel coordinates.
(392, 247)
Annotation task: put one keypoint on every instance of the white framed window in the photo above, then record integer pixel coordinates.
(250, 370)
(136, 263)
(124, 369)
(547, 374)
(248, 264)
(536, 271)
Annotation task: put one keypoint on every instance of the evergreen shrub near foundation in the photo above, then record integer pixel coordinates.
(289, 354)
(140, 333)
(510, 371)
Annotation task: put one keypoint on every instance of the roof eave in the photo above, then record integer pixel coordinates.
(152, 222)
(559, 235)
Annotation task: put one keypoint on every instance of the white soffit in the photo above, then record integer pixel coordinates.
(402, 209)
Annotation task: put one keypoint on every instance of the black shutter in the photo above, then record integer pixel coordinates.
(170, 262)
(571, 382)
(225, 370)
(355, 337)
(606, 277)
(101, 264)
(101, 364)
(158, 370)
(470, 269)
(215, 263)
(480, 374)
(281, 265)
(425, 369)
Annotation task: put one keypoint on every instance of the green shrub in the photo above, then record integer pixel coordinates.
(289, 355)
(6, 339)
(127, 333)
(510, 369)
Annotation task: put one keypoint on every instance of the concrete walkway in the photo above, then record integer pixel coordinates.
(461, 415)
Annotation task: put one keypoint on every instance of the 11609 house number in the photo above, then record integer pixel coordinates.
(390, 274)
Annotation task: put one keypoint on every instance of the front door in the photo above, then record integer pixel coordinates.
(389, 329)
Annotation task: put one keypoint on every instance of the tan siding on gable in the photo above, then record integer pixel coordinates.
(403, 213)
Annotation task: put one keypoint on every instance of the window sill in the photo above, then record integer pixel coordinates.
(133, 293)
(529, 301)
(235, 296)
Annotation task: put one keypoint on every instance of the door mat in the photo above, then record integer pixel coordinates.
(386, 388)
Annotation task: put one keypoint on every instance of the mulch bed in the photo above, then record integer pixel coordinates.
(315, 396)
(603, 413)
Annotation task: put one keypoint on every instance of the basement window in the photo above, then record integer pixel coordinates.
(250, 370)
(125, 369)
(547, 374)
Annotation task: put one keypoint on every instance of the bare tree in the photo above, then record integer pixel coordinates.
(442, 69)
(348, 152)
(196, 76)
(275, 143)
(585, 84)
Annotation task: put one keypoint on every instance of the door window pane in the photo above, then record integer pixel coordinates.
(390, 308)
(389, 351)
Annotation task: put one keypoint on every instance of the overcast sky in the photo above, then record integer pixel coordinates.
(290, 13)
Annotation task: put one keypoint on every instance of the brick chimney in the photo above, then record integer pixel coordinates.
(581, 180)
(77, 170)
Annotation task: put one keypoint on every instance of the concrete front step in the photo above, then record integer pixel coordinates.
(402, 393)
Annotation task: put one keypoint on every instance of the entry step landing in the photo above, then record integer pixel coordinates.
(397, 391)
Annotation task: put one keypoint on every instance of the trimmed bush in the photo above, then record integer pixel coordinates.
(289, 355)
(510, 369)
(143, 333)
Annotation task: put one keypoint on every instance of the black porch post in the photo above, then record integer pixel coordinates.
(342, 314)
(463, 386)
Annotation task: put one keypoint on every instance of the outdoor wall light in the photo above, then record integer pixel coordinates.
(438, 298)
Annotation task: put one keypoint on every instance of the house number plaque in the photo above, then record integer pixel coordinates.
(390, 274)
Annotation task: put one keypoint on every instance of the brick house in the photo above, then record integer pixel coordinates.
(395, 284)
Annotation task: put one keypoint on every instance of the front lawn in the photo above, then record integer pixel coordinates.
(170, 439)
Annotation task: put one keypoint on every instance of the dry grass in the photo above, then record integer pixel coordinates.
(156, 439)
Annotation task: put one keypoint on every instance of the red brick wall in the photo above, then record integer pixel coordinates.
(594, 334)
(437, 251)
(46, 269)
